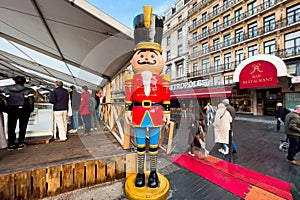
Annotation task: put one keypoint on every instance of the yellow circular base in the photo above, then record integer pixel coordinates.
(136, 193)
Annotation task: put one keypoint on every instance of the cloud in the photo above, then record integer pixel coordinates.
(163, 7)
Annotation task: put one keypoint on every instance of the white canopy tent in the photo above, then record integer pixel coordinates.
(60, 39)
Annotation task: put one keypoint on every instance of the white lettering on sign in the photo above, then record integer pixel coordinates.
(190, 84)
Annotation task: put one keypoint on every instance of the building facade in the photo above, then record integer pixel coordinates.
(224, 34)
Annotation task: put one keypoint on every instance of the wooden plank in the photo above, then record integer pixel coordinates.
(120, 168)
(79, 181)
(67, 178)
(170, 139)
(110, 169)
(38, 183)
(126, 144)
(101, 172)
(131, 164)
(90, 173)
(7, 189)
(53, 180)
(22, 185)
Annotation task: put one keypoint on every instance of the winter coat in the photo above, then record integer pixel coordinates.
(292, 125)
(281, 112)
(75, 99)
(222, 125)
(60, 99)
(84, 104)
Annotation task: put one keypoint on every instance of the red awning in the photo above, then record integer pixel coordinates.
(224, 91)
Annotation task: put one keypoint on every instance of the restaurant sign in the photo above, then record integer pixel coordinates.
(258, 74)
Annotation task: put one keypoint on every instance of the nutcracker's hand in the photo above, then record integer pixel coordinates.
(128, 117)
(166, 118)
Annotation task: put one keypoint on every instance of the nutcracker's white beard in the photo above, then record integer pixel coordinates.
(147, 75)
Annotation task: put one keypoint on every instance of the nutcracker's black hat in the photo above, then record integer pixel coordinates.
(148, 30)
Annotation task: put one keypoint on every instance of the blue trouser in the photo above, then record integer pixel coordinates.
(87, 123)
(154, 133)
(74, 119)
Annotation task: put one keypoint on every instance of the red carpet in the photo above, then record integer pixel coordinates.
(241, 181)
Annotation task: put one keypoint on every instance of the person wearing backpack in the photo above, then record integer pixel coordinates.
(85, 109)
(20, 103)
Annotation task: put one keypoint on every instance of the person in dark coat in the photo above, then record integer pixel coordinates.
(60, 99)
(20, 102)
(75, 103)
(280, 113)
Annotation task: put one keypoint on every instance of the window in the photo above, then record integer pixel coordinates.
(252, 30)
(179, 70)
(292, 44)
(226, 21)
(228, 79)
(216, 10)
(168, 55)
(179, 6)
(238, 14)
(292, 69)
(204, 17)
(239, 56)
(195, 69)
(194, 23)
(205, 32)
(252, 8)
(293, 14)
(205, 48)
(252, 50)
(195, 52)
(269, 23)
(205, 66)
(227, 61)
(168, 40)
(216, 26)
(227, 40)
(217, 80)
(180, 50)
(270, 47)
(168, 26)
(239, 35)
(179, 33)
(180, 18)
(168, 70)
(226, 4)
(216, 44)
(195, 36)
(217, 63)
(268, 3)
(168, 15)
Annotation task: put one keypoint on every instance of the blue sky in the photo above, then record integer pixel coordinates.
(125, 10)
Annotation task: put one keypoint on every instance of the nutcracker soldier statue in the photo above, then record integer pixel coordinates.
(147, 93)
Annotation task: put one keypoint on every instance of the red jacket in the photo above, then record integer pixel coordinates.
(84, 104)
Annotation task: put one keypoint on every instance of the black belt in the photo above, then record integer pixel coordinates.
(146, 104)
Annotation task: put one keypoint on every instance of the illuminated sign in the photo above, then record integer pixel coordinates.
(258, 74)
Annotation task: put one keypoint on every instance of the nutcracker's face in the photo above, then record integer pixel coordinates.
(147, 60)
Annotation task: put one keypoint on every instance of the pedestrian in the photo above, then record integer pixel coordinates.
(231, 110)
(60, 100)
(85, 111)
(280, 113)
(20, 103)
(292, 129)
(197, 137)
(3, 108)
(75, 103)
(96, 102)
(209, 110)
(222, 127)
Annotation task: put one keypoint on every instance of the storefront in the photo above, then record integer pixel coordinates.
(262, 81)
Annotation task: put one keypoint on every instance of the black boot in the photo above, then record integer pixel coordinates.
(153, 179)
(140, 180)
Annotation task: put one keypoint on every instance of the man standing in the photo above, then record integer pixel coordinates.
(75, 102)
(60, 99)
(20, 102)
(292, 129)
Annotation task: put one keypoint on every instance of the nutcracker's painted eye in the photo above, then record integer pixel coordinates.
(152, 56)
(142, 56)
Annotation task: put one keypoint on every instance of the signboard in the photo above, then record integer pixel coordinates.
(258, 74)
(190, 84)
(292, 99)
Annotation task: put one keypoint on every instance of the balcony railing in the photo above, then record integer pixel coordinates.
(258, 9)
